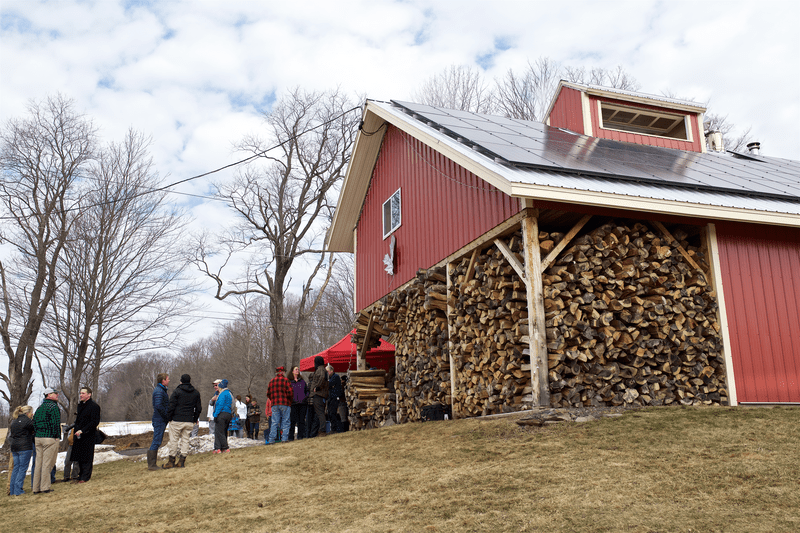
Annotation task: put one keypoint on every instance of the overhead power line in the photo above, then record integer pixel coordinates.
(204, 174)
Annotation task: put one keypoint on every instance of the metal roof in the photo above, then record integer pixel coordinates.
(610, 91)
(532, 160)
(531, 145)
(525, 149)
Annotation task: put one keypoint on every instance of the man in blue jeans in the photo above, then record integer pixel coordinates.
(160, 419)
(279, 392)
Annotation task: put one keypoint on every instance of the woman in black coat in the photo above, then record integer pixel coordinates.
(20, 439)
(86, 423)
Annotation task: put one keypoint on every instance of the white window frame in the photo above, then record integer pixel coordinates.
(638, 131)
(395, 204)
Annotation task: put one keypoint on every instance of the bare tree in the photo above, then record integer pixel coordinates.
(42, 156)
(526, 96)
(132, 384)
(616, 78)
(335, 316)
(122, 287)
(250, 351)
(5, 415)
(732, 139)
(283, 201)
(457, 87)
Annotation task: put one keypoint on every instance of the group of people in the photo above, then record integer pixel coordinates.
(181, 413)
(316, 402)
(294, 409)
(36, 436)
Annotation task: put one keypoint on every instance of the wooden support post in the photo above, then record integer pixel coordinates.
(450, 333)
(535, 293)
(362, 353)
(722, 314)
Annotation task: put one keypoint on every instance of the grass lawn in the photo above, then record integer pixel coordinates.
(651, 470)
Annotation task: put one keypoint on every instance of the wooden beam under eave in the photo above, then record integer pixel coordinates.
(510, 257)
(471, 267)
(670, 239)
(355, 270)
(503, 228)
(535, 294)
(722, 313)
(563, 244)
(361, 362)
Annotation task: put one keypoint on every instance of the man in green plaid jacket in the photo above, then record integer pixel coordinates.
(47, 431)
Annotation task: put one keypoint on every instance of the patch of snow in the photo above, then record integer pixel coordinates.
(104, 453)
(205, 443)
(117, 429)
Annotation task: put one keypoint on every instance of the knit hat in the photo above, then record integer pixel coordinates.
(223, 384)
(186, 378)
(280, 369)
(318, 361)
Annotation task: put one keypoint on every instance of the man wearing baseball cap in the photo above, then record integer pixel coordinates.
(279, 391)
(47, 431)
(211, 403)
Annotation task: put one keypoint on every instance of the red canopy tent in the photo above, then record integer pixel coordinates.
(344, 356)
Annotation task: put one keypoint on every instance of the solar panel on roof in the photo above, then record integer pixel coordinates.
(534, 145)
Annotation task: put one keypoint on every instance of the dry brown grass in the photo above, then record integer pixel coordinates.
(654, 470)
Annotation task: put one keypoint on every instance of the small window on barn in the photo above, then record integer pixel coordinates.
(391, 214)
(644, 121)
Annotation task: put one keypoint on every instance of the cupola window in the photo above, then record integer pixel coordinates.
(644, 121)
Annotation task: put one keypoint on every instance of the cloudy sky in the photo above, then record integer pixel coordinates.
(196, 75)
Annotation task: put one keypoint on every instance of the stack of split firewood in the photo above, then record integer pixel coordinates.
(370, 400)
(489, 334)
(361, 325)
(631, 319)
(415, 316)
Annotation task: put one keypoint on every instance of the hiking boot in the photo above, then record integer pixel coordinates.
(181, 460)
(152, 460)
(170, 463)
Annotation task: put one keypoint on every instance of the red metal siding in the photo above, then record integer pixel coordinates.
(761, 279)
(567, 112)
(443, 207)
(692, 146)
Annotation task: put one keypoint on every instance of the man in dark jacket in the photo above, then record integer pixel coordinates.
(160, 420)
(335, 395)
(86, 423)
(318, 384)
(184, 411)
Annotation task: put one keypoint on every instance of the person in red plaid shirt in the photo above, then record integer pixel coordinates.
(279, 391)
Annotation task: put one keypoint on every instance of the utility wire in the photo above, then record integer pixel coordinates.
(198, 176)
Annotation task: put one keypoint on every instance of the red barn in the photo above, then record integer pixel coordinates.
(430, 187)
